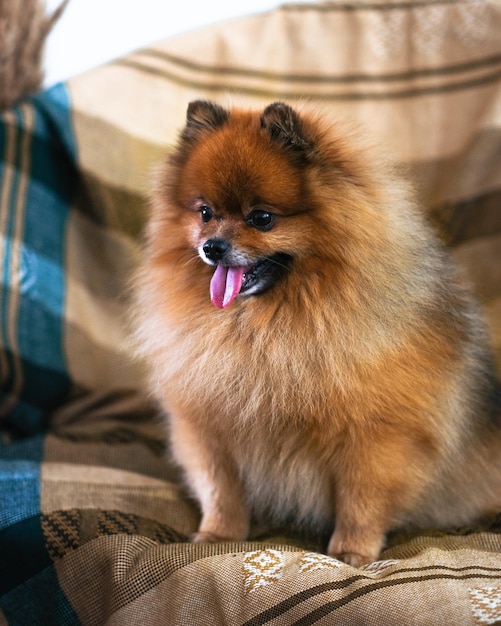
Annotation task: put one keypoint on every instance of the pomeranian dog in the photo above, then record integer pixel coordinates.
(319, 359)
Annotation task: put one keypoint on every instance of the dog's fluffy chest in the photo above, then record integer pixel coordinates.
(284, 480)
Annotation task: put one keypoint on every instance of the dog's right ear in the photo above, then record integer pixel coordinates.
(202, 116)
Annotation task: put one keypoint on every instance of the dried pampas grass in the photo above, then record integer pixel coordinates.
(24, 26)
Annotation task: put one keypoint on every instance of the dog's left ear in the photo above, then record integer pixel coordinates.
(203, 115)
(286, 128)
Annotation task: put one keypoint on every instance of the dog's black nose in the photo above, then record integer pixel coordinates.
(215, 249)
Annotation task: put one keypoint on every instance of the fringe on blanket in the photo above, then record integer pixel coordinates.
(24, 26)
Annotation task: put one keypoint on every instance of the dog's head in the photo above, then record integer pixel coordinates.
(242, 182)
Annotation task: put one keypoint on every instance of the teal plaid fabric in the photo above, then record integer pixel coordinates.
(38, 181)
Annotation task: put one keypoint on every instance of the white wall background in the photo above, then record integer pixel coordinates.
(91, 32)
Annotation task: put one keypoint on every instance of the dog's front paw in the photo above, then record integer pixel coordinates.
(219, 528)
(355, 560)
(354, 551)
(205, 537)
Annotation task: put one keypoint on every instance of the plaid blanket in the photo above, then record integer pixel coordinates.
(93, 520)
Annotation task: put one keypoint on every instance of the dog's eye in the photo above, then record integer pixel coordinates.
(261, 220)
(207, 213)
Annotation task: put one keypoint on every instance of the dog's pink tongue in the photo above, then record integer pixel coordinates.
(225, 285)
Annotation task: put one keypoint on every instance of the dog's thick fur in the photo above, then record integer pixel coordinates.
(354, 393)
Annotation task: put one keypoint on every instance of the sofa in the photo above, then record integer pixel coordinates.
(94, 521)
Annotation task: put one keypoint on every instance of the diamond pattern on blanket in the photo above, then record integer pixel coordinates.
(262, 567)
(312, 562)
(486, 605)
(377, 568)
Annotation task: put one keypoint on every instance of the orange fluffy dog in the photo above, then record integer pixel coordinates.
(318, 358)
